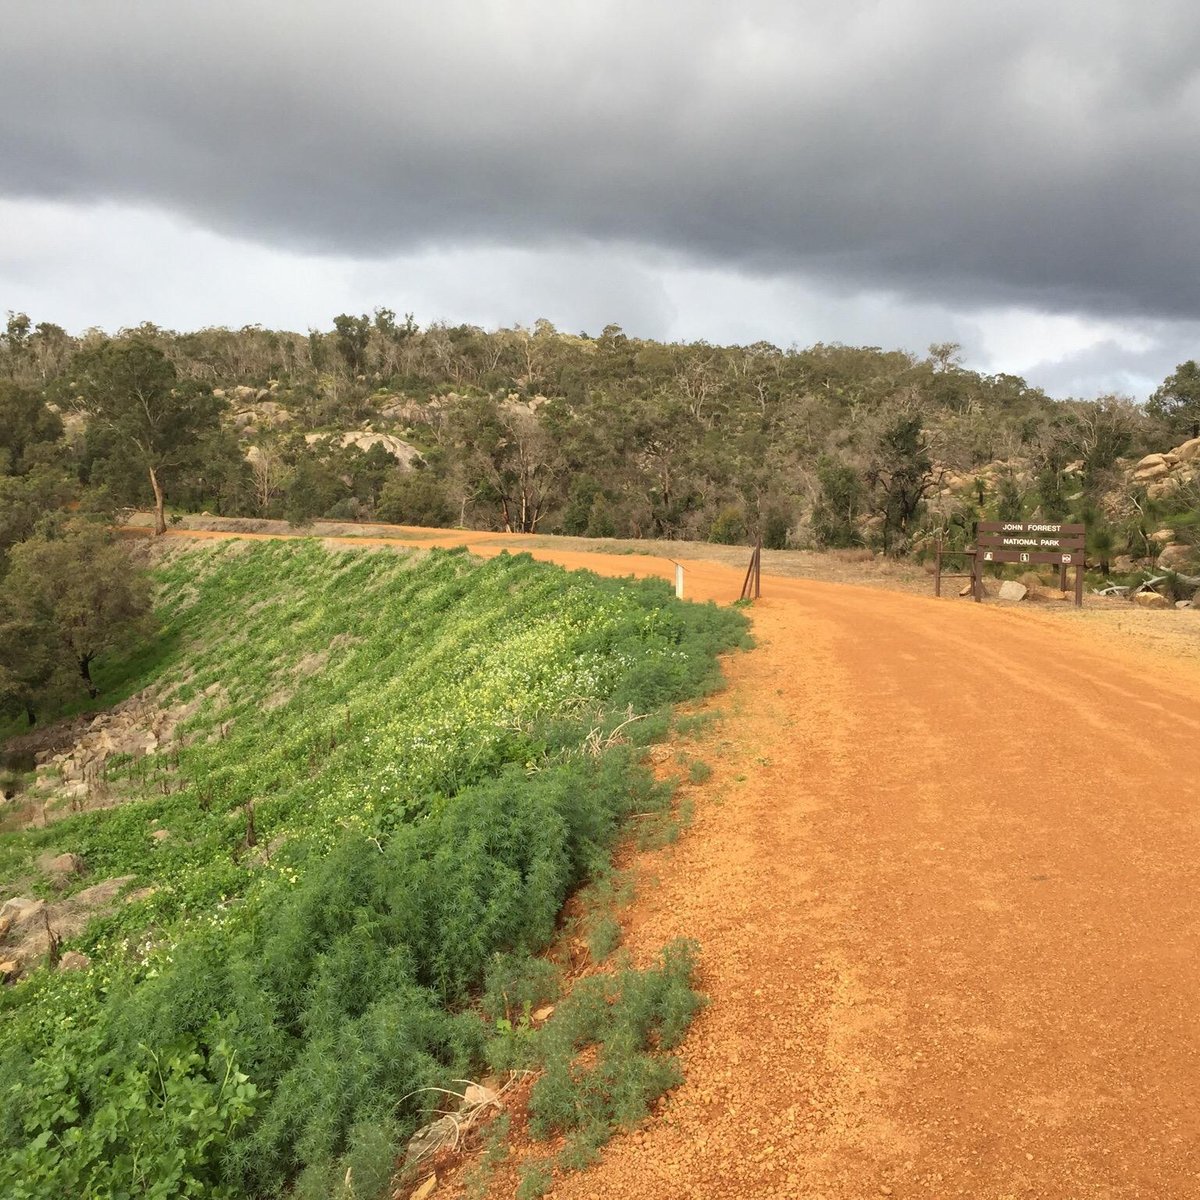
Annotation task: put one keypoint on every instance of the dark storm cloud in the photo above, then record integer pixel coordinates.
(1033, 154)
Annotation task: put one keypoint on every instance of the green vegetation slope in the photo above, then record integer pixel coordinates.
(382, 779)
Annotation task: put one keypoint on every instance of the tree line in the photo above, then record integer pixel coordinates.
(542, 431)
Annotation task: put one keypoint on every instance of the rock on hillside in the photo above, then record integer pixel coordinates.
(27, 925)
(267, 415)
(1188, 452)
(1175, 556)
(403, 452)
(1164, 474)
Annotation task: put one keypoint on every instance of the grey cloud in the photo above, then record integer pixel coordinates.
(967, 153)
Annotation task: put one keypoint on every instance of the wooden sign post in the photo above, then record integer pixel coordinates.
(1038, 543)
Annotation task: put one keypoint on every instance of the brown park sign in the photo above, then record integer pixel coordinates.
(1038, 543)
(1030, 541)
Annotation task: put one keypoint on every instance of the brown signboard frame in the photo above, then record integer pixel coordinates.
(1038, 543)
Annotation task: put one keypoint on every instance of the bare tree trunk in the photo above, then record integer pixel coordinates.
(85, 672)
(160, 522)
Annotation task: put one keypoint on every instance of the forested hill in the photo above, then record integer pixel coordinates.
(609, 435)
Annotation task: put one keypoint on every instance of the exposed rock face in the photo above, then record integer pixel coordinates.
(1188, 452)
(264, 414)
(429, 1139)
(1162, 475)
(1153, 466)
(1010, 589)
(18, 913)
(71, 756)
(24, 922)
(404, 453)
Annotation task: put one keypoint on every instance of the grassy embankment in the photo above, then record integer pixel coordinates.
(375, 814)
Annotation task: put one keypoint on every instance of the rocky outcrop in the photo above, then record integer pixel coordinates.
(74, 777)
(62, 868)
(1162, 475)
(1189, 452)
(403, 452)
(268, 414)
(1153, 466)
(1151, 600)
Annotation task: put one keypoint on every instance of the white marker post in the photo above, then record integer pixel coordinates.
(679, 580)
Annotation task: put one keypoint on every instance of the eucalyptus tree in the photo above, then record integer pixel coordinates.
(140, 413)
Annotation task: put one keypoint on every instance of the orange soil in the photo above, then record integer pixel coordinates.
(946, 882)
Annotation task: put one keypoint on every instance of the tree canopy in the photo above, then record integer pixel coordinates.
(140, 412)
(70, 595)
(1177, 401)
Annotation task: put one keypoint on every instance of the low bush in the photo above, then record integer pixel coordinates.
(602, 1053)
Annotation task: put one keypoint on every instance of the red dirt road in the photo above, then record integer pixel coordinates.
(949, 915)
(946, 882)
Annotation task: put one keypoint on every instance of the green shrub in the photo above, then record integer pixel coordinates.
(604, 936)
(629, 1019)
(535, 1180)
(154, 1126)
(516, 984)
(728, 527)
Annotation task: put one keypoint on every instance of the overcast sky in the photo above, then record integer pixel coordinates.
(1022, 178)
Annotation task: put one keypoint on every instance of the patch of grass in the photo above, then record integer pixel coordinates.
(534, 1182)
(699, 771)
(694, 724)
(663, 829)
(603, 937)
(604, 1052)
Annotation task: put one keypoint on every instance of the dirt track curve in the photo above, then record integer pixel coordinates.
(946, 882)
